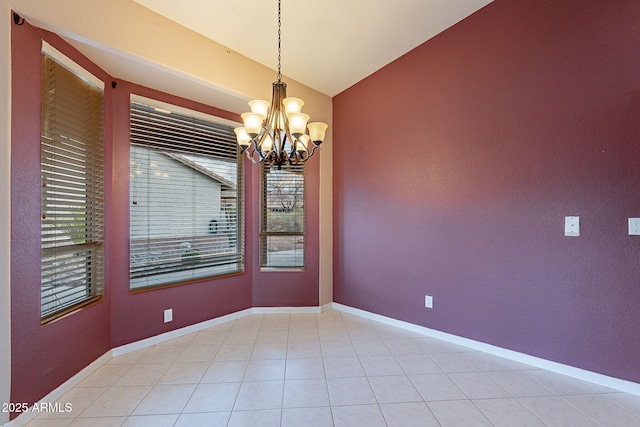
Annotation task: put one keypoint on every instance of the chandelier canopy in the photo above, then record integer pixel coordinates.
(276, 132)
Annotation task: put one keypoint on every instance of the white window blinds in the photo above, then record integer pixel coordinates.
(72, 156)
(185, 198)
(282, 222)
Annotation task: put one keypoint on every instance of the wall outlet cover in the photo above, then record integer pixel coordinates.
(571, 225)
(168, 315)
(634, 226)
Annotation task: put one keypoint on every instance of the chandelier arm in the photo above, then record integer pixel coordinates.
(284, 155)
(257, 162)
(257, 141)
(292, 141)
(293, 145)
(269, 121)
(300, 158)
(261, 159)
(281, 139)
(314, 150)
(250, 154)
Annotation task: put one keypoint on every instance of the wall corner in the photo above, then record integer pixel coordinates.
(5, 208)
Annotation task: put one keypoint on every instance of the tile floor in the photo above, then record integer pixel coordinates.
(330, 369)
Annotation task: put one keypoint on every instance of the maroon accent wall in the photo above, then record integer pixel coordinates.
(42, 357)
(140, 315)
(455, 165)
(291, 288)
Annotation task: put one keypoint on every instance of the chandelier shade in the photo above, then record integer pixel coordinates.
(279, 133)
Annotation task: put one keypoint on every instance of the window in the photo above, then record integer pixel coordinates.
(72, 153)
(185, 196)
(282, 217)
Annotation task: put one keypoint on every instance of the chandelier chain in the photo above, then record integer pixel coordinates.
(279, 49)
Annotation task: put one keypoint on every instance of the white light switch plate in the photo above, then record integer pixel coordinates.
(428, 301)
(168, 315)
(634, 226)
(571, 225)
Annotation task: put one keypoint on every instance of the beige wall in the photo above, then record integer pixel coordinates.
(326, 224)
(124, 29)
(5, 222)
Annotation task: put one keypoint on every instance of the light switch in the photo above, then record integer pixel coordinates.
(428, 301)
(571, 225)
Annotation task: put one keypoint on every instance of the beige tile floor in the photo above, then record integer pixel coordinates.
(330, 369)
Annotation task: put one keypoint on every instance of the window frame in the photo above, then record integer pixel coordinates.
(137, 284)
(71, 198)
(264, 234)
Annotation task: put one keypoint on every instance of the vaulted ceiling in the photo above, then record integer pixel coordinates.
(328, 45)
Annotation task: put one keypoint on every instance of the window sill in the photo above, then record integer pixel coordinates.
(47, 320)
(140, 289)
(282, 269)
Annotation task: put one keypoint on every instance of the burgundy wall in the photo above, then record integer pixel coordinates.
(455, 165)
(140, 315)
(290, 288)
(39, 362)
(42, 357)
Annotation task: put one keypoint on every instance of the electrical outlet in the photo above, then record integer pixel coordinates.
(634, 226)
(168, 315)
(428, 301)
(571, 225)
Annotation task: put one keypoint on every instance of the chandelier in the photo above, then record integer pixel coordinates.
(276, 133)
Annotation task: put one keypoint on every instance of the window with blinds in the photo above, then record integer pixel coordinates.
(72, 153)
(282, 217)
(186, 197)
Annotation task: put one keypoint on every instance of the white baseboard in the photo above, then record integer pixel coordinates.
(326, 307)
(286, 310)
(571, 371)
(56, 394)
(177, 333)
(292, 310)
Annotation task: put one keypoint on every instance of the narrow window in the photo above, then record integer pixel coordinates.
(282, 217)
(185, 197)
(72, 153)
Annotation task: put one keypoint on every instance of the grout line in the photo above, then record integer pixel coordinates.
(342, 325)
(559, 368)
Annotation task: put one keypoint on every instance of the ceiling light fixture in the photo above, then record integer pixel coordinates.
(276, 133)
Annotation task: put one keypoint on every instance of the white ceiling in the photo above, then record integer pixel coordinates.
(328, 45)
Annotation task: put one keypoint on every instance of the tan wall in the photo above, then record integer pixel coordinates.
(124, 28)
(326, 224)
